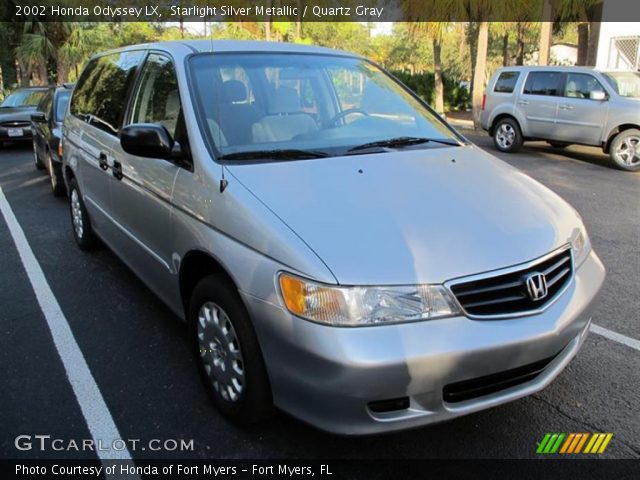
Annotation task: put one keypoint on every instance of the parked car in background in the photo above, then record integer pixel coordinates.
(15, 113)
(565, 105)
(336, 248)
(46, 125)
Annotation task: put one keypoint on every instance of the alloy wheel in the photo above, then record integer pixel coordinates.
(628, 151)
(505, 136)
(76, 213)
(220, 352)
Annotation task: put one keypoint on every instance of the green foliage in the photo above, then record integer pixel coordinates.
(456, 96)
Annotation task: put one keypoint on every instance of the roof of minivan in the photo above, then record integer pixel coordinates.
(202, 46)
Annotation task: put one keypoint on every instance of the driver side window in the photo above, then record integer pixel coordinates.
(158, 98)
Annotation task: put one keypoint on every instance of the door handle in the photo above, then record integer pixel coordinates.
(566, 107)
(523, 102)
(104, 165)
(117, 170)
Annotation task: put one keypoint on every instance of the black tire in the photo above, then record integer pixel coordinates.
(507, 136)
(36, 159)
(558, 144)
(254, 402)
(85, 237)
(55, 175)
(622, 142)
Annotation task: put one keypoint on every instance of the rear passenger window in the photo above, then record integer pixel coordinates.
(101, 92)
(506, 82)
(543, 83)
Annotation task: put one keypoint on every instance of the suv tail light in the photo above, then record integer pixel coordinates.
(484, 100)
(60, 149)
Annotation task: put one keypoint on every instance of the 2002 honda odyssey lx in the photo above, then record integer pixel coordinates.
(336, 248)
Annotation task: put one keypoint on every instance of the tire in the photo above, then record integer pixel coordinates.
(55, 175)
(624, 150)
(228, 360)
(36, 159)
(507, 136)
(558, 144)
(80, 223)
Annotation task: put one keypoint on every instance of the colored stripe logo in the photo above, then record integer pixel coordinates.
(573, 443)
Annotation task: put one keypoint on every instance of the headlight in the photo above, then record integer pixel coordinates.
(361, 306)
(581, 246)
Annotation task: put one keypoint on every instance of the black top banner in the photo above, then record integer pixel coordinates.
(317, 10)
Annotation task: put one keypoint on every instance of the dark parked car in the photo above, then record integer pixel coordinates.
(15, 113)
(46, 124)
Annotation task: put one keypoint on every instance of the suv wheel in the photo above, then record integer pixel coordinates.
(82, 231)
(625, 150)
(507, 136)
(57, 185)
(36, 158)
(227, 352)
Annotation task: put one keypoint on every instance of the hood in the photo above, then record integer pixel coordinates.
(416, 216)
(8, 114)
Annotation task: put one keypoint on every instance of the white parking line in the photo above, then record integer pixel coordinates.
(616, 337)
(94, 409)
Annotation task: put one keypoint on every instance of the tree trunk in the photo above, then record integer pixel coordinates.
(505, 50)
(583, 43)
(595, 16)
(479, 73)
(62, 71)
(546, 31)
(472, 33)
(267, 29)
(520, 44)
(437, 69)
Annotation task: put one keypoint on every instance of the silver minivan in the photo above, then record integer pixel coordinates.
(336, 249)
(565, 105)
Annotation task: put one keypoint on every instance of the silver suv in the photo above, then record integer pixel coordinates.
(335, 248)
(565, 105)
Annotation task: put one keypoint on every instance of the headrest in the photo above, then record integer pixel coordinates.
(234, 91)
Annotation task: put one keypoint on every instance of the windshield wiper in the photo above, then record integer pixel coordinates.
(288, 154)
(399, 142)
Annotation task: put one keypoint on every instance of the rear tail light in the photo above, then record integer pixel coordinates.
(60, 149)
(484, 100)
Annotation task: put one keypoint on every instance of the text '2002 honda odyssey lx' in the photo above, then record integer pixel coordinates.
(337, 250)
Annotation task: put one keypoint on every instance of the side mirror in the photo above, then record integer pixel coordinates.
(38, 117)
(149, 140)
(597, 95)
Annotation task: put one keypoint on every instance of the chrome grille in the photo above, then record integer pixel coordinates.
(16, 124)
(507, 293)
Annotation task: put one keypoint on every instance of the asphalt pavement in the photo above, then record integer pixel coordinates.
(137, 352)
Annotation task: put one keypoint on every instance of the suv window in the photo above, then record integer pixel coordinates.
(580, 85)
(61, 105)
(45, 104)
(506, 82)
(101, 93)
(543, 83)
(157, 99)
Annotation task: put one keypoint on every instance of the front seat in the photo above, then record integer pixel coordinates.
(237, 115)
(285, 120)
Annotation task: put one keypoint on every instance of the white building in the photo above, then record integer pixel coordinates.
(619, 42)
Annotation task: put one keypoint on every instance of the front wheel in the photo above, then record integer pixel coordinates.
(36, 158)
(227, 352)
(82, 230)
(507, 136)
(57, 185)
(625, 150)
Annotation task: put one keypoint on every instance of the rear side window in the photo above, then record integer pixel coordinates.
(543, 83)
(506, 82)
(61, 105)
(101, 93)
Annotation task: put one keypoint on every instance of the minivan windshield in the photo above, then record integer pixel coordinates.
(626, 84)
(291, 106)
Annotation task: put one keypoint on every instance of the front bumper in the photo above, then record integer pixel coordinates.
(328, 376)
(27, 134)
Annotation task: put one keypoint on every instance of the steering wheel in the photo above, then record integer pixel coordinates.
(349, 111)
